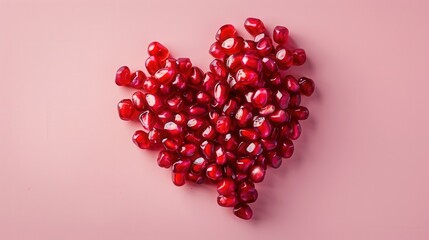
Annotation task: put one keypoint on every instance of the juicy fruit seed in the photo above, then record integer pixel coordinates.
(225, 126)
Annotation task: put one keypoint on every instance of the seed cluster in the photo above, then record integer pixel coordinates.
(225, 126)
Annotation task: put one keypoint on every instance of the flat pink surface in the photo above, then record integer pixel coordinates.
(68, 169)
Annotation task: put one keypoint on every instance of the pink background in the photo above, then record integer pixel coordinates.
(68, 169)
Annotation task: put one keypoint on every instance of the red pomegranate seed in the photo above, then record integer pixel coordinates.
(180, 119)
(199, 165)
(267, 110)
(261, 160)
(196, 76)
(254, 149)
(230, 142)
(220, 93)
(213, 116)
(273, 159)
(165, 116)
(259, 37)
(152, 65)
(140, 138)
(230, 107)
(227, 201)
(138, 100)
(243, 211)
(195, 123)
(166, 159)
(147, 119)
(209, 82)
(257, 174)
(196, 178)
(188, 150)
(232, 45)
(296, 129)
(254, 26)
(306, 86)
(263, 126)
(155, 136)
(275, 79)
(156, 49)
(126, 109)
(291, 84)
(209, 133)
(184, 65)
(295, 100)
(165, 75)
(175, 103)
(178, 178)
(203, 98)
(223, 124)
(207, 148)
(286, 148)
(247, 192)
(150, 85)
(218, 68)
(265, 46)
(165, 89)
(269, 65)
(279, 116)
(299, 113)
(234, 62)
(216, 50)
(299, 56)
(280, 34)
(173, 129)
(243, 164)
(260, 98)
(252, 61)
(123, 76)
(268, 144)
(197, 110)
(282, 98)
(284, 58)
(171, 63)
(170, 144)
(154, 102)
(225, 32)
(246, 76)
(181, 166)
(285, 131)
(249, 45)
(214, 172)
(244, 116)
(225, 186)
(221, 157)
(137, 79)
(248, 133)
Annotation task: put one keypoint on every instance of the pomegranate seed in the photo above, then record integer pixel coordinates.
(295, 100)
(137, 79)
(156, 49)
(263, 126)
(259, 37)
(181, 166)
(249, 45)
(230, 142)
(284, 58)
(166, 159)
(299, 113)
(196, 178)
(195, 123)
(175, 103)
(306, 86)
(243, 164)
(152, 65)
(172, 128)
(171, 63)
(196, 76)
(180, 119)
(165, 75)
(261, 160)
(248, 133)
(274, 160)
(296, 129)
(188, 150)
(220, 93)
(286, 148)
(225, 32)
(243, 116)
(154, 102)
(221, 157)
(214, 172)
(216, 50)
(225, 186)
(232, 45)
(165, 116)
(280, 34)
(252, 61)
(264, 46)
(155, 136)
(230, 107)
(269, 144)
(214, 116)
(267, 110)
(150, 85)
(269, 65)
(260, 98)
(207, 148)
(243, 211)
(254, 26)
(234, 62)
(282, 98)
(275, 79)
(138, 100)
(246, 76)
(247, 192)
(197, 110)
(126, 109)
(170, 144)
(184, 65)
(203, 98)
(209, 82)
(254, 149)
(291, 84)
(227, 201)
(279, 116)
(299, 56)
(147, 119)
(178, 178)
(209, 133)
(257, 174)
(223, 124)
(218, 68)
(123, 76)
(199, 165)
(140, 138)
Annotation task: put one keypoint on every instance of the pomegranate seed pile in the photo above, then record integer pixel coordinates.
(225, 126)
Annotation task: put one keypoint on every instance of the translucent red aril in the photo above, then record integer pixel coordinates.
(123, 76)
(257, 173)
(156, 49)
(166, 158)
(188, 150)
(140, 138)
(137, 79)
(260, 98)
(286, 148)
(165, 75)
(216, 50)
(225, 32)
(152, 65)
(299, 56)
(263, 126)
(179, 179)
(225, 186)
(306, 86)
(138, 100)
(223, 124)
(280, 34)
(254, 26)
(232, 45)
(126, 109)
(227, 201)
(154, 102)
(214, 172)
(227, 125)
